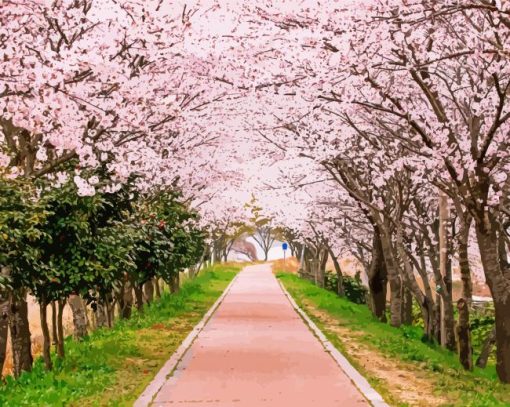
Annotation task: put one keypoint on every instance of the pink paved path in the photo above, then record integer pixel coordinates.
(257, 351)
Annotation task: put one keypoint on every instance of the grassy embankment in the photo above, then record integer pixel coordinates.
(395, 361)
(111, 367)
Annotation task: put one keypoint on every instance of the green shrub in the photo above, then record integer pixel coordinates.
(354, 289)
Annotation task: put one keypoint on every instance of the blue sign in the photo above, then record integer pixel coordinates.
(285, 246)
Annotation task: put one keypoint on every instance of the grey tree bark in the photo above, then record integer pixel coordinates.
(79, 316)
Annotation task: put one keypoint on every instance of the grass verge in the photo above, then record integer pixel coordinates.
(439, 368)
(111, 367)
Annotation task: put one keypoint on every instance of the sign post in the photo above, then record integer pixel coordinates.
(285, 246)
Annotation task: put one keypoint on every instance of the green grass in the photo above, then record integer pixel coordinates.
(111, 367)
(479, 388)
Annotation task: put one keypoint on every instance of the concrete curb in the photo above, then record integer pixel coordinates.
(168, 368)
(373, 397)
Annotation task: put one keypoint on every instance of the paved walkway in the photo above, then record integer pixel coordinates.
(256, 351)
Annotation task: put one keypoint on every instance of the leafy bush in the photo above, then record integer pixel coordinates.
(354, 289)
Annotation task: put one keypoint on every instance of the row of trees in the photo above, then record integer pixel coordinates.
(400, 112)
(61, 247)
(96, 195)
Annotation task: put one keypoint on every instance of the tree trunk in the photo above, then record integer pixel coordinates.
(407, 307)
(449, 312)
(109, 308)
(4, 328)
(377, 280)
(340, 277)
(20, 335)
(436, 329)
(149, 291)
(464, 335)
(157, 289)
(139, 297)
(487, 346)
(175, 283)
(323, 260)
(60, 330)
(449, 323)
(314, 265)
(500, 290)
(101, 319)
(429, 321)
(54, 334)
(126, 300)
(79, 316)
(43, 306)
(428, 301)
(465, 271)
(394, 280)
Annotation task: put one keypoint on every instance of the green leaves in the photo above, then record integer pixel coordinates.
(56, 242)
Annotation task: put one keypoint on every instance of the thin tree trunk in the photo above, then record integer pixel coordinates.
(487, 347)
(464, 335)
(109, 312)
(4, 328)
(465, 271)
(43, 306)
(54, 334)
(436, 330)
(126, 300)
(100, 313)
(175, 282)
(443, 258)
(20, 335)
(60, 330)
(428, 301)
(139, 297)
(157, 289)
(394, 280)
(79, 316)
(449, 311)
(407, 307)
(429, 320)
(149, 291)
(323, 259)
(377, 280)
(449, 323)
(340, 277)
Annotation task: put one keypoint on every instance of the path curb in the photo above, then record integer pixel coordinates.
(168, 368)
(373, 397)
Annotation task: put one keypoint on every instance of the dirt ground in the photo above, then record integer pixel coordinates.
(402, 381)
(290, 265)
